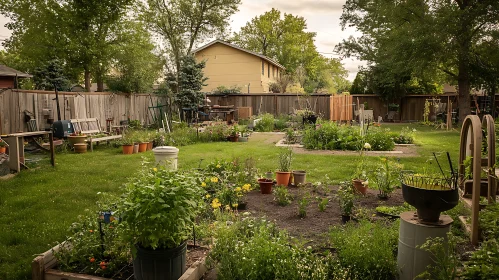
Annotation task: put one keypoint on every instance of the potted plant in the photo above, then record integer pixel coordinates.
(234, 133)
(127, 145)
(345, 197)
(142, 139)
(158, 210)
(385, 177)
(284, 161)
(77, 138)
(3, 147)
(244, 134)
(360, 179)
(309, 117)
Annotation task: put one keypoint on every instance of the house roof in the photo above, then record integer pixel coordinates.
(9, 72)
(241, 49)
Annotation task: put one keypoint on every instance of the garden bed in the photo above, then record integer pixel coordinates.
(399, 151)
(44, 267)
(316, 223)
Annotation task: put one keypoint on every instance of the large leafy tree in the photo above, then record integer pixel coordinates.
(283, 37)
(80, 32)
(419, 39)
(183, 23)
(135, 66)
(280, 37)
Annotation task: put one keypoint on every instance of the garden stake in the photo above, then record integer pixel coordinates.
(101, 237)
(194, 235)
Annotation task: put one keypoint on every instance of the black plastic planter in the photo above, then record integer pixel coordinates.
(159, 264)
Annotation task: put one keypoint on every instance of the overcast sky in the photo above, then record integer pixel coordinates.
(323, 17)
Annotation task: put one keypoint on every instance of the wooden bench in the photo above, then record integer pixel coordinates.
(92, 126)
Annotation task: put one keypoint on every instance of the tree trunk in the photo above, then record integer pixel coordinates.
(493, 101)
(100, 85)
(464, 91)
(87, 80)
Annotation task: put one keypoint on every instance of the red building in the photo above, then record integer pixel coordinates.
(8, 76)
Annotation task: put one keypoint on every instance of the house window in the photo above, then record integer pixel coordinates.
(263, 68)
(268, 70)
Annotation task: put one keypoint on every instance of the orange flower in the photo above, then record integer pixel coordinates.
(91, 231)
(92, 260)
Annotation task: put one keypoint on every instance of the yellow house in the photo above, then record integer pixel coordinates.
(229, 65)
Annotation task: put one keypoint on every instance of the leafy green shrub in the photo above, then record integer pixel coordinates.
(302, 205)
(443, 253)
(282, 196)
(406, 136)
(323, 136)
(366, 250)
(484, 263)
(93, 253)
(253, 248)
(379, 139)
(330, 136)
(488, 221)
(159, 207)
(281, 122)
(266, 123)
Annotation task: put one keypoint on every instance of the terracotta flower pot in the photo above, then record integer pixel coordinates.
(359, 186)
(234, 138)
(80, 148)
(149, 146)
(265, 186)
(282, 178)
(127, 149)
(143, 146)
(77, 139)
(3, 150)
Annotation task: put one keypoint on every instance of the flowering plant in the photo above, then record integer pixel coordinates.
(95, 245)
(385, 177)
(361, 169)
(345, 197)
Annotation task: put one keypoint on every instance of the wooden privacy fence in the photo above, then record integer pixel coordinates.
(276, 104)
(411, 106)
(341, 108)
(100, 105)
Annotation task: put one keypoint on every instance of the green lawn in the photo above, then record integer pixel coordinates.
(37, 206)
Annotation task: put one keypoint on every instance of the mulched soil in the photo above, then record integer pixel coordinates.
(314, 227)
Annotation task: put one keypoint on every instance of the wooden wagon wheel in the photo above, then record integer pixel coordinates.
(471, 144)
(488, 125)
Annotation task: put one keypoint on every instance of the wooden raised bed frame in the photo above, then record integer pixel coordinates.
(42, 268)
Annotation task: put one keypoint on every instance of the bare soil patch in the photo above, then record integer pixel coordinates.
(314, 227)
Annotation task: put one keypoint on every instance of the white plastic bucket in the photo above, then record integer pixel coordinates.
(167, 156)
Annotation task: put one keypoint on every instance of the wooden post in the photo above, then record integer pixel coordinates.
(52, 153)
(449, 113)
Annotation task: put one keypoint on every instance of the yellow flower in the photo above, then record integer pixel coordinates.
(208, 196)
(238, 189)
(203, 184)
(215, 203)
(227, 207)
(235, 205)
(246, 187)
(214, 180)
(155, 169)
(218, 166)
